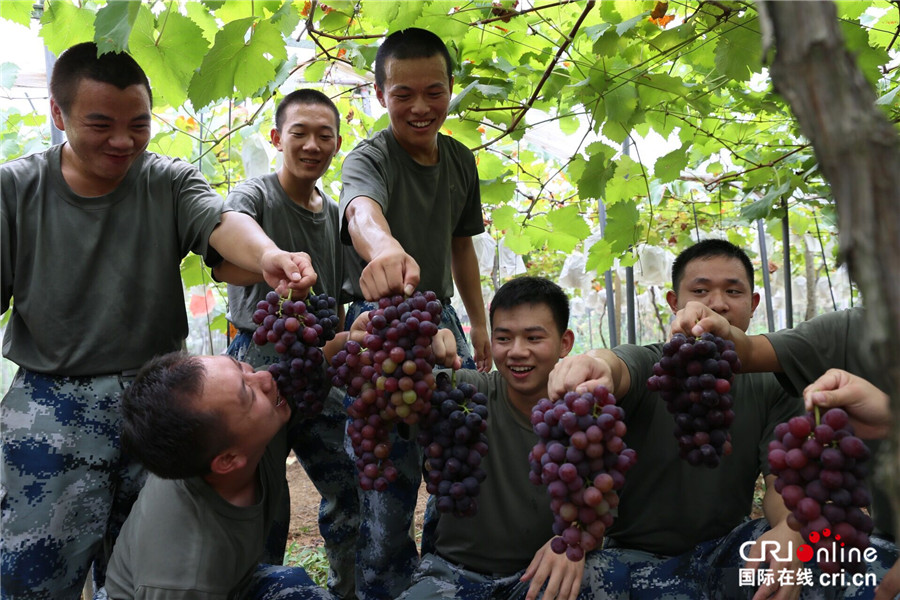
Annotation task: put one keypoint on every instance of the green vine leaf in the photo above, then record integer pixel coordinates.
(63, 25)
(234, 64)
(169, 56)
(113, 24)
(17, 11)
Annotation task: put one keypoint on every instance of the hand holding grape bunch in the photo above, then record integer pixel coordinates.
(298, 330)
(694, 378)
(582, 459)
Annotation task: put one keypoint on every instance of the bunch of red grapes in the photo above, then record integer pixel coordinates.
(821, 468)
(389, 379)
(454, 440)
(298, 329)
(694, 377)
(582, 459)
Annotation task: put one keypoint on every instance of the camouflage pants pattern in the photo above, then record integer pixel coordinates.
(708, 572)
(711, 571)
(319, 446)
(66, 487)
(386, 554)
(439, 579)
(274, 582)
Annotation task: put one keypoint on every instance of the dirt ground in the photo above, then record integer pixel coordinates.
(304, 529)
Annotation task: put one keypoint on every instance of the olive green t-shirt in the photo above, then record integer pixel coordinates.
(183, 540)
(668, 506)
(513, 520)
(96, 283)
(293, 228)
(425, 205)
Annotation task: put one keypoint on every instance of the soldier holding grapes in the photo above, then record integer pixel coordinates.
(93, 233)
(680, 526)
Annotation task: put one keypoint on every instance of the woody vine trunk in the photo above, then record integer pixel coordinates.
(858, 151)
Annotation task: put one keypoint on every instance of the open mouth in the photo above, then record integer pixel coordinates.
(279, 400)
(309, 161)
(421, 124)
(521, 370)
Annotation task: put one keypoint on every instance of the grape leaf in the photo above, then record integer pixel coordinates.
(112, 26)
(739, 51)
(8, 74)
(169, 57)
(669, 167)
(235, 64)
(504, 218)
(64, 25)
(17, 11)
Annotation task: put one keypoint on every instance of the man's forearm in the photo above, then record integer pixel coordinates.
(241, 241)
(466, 274)
(368, 228)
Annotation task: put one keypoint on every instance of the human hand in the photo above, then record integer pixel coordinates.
(785, 538)
(443, 344)
(889, 588)
(285, 271)
(867, 406)
(580, 373)
(562, 576)
(481, 342)
(696, 318)
(391, 272)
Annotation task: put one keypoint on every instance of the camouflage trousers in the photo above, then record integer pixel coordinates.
(274, 582)
(439, 579)
(66, 486)
(386, 554)
(319, 446)
(713, 570)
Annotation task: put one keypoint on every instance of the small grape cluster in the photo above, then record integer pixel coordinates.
(821, 469)
(453, 436)
(389, 379)
(582, 459)
(694, 377)
(298, 329)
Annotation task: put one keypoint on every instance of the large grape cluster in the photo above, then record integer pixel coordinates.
(821, 469)
(454, 440)
(582, 459)
(694, 377)
(389, 379)
(298, 329)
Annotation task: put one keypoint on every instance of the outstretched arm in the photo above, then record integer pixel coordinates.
(390, 270)
(241, 241)
(464, 264)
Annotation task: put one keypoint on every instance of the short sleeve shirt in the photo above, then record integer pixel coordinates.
(425, 205)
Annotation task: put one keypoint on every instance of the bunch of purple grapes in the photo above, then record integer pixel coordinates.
(298, 329)
(389, 379)
(453, 436)
(694, 378)
(821, 469)
(582, 459)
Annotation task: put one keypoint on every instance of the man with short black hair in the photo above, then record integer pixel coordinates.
(92, 236)
(298, 215)
(680, 527)
(213, 433)
(410, 205)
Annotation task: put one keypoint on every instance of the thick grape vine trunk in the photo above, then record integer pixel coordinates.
(859, 153)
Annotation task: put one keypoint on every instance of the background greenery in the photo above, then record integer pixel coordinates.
(561, 102)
